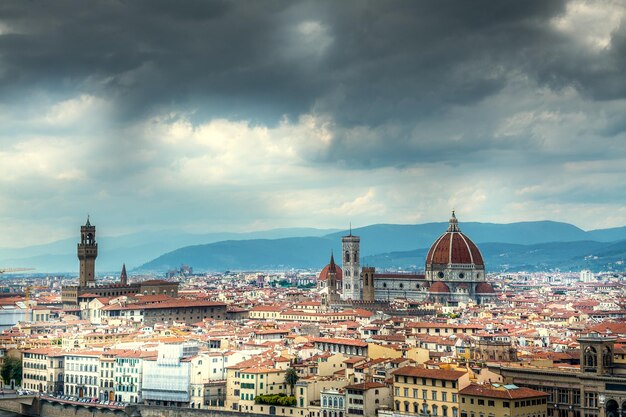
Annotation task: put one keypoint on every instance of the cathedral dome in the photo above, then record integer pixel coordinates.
(323, 276)
(453, 247)
(484, 288)
(439, 287)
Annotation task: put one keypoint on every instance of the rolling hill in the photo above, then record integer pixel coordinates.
(499, 256)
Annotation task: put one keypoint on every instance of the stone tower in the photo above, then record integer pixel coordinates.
(87, 253)
(351, 267)
(367, 274)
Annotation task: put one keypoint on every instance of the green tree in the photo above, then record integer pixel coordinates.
(12, 369)
(291, 377)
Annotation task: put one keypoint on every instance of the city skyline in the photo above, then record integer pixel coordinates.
(231, 116)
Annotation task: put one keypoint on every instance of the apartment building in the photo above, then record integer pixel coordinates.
(42, 370)
(107, 376)
(129, 375)
(82, 374)
(365, 399)
(496, 400)
(420, 391)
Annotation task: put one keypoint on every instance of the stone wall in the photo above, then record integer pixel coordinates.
(53, 409)
(156, 411)
(15, 405)
(48, 409)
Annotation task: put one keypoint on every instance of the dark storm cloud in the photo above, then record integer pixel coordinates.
(403, 61)
(382, 65)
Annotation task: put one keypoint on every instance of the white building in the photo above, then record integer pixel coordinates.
(82, 374)
(351, 267)
(129, 375)
(167, 379)
(586, 276)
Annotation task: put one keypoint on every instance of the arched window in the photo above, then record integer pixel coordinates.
(591, 359)
(347, 257)
(607, 357)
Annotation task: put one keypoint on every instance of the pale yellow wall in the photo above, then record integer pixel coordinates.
(376, 351)
(332, 364)
(419, 355)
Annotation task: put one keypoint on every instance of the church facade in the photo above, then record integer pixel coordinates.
(454, 272)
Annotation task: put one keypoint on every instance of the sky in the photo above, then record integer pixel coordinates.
(235, 115)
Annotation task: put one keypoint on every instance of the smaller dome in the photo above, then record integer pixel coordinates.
(439, 287)
(484, 288)
(323, 276)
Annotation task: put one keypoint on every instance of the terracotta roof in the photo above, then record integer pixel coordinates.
(323, 276)
(453, 247)
(501, 391)
(178, 303)
(364, 386)
(429, 373)
(484, 288)
(439, 287)
(337, 341)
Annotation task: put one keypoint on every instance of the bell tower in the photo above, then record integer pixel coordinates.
(351, 266)
(87, 253)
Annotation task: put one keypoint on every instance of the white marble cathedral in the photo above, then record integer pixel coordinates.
(454, 273)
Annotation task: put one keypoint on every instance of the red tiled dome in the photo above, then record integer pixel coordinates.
(453, 247)
(439, 286)
(323, 276)
(484, 288)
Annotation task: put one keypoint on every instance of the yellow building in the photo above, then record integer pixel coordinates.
(256, 381)
(376, 351)
(41, 369)
(421, 391)
(502, 401)
(419, 355)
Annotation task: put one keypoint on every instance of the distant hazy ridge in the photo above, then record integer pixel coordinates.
(525, 245)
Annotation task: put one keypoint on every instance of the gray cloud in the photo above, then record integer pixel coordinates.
(115, 100)
(259, 61)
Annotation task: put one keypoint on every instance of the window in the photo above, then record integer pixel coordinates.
(434, 395)
(591, 399)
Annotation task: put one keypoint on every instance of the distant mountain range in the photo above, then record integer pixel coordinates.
(133, 249)
(528, 246)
